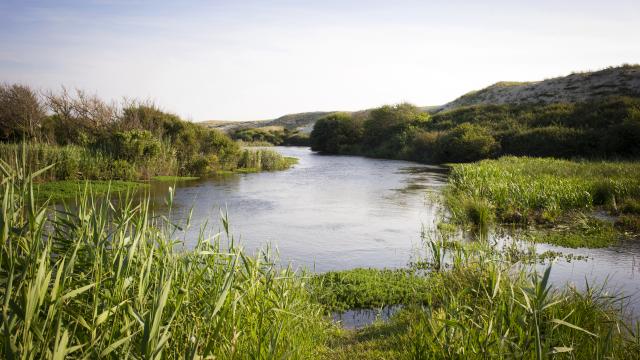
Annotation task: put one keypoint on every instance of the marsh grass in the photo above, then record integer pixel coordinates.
(265, 159)
(581, 231)
(55, 191)
(531, 185)
(100, 280)
(542, 191)
(486, 304)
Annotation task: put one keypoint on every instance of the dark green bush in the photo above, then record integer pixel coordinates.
(608, 127)
(336, 133)
(466, 143)
(548, 141)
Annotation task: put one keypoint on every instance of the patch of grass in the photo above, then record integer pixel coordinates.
(630, 206)
(368, 288)
(630, 223)
(168, 178)
(583, 232)
(543, 189)
(66, 189)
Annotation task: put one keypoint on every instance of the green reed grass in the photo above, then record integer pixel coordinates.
(265, 159)
(100, 280)
(523, 189)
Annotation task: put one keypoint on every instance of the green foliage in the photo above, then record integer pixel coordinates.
(70, 189)
(545, 191)
(368, 288)
(387, 120)
(123, 170)
(603, 128)
(465, 143)
(135, 145)
(485, 307)
(272, 135)
(265, 160)
(581, 232)
(336, 133)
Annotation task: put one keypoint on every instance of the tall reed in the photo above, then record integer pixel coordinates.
(100, 280)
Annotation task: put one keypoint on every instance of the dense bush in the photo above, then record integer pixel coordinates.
(465, 143)
(336, 133)
(604, 128)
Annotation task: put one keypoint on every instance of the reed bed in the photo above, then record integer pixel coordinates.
(265, 159)
(522, 189)
(100, 280)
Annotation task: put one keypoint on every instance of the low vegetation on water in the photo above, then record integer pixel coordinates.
(485, 304)
(174, 178)
(369, 288)
(557, 194)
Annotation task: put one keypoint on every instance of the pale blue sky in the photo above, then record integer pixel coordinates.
(243, 60)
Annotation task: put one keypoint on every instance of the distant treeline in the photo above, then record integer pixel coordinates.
(91, 139)
(608, 128)
(272, 135)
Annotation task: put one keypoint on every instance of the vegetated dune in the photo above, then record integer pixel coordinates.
(300, 121)
(576, 87)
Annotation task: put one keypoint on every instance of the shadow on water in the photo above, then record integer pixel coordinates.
(359, 318)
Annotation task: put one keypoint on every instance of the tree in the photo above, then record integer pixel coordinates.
(21, 113)
(386, 121)
(336, 133)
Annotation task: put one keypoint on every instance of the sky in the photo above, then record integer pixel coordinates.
(249, 60)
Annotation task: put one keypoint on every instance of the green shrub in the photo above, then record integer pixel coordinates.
(466, 143)
(123, 170)
(336, 133)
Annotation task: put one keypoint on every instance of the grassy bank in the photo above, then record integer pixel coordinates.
(560, 195)
(483, 305)
(106, 280)
(69, 189)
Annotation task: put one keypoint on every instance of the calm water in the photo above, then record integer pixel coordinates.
(327, 213)
(342, 212)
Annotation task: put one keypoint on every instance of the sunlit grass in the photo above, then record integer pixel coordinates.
(101, 279)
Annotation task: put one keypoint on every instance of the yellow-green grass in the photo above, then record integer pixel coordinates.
(68, 189)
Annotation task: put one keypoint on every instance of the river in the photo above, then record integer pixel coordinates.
(342, 212)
